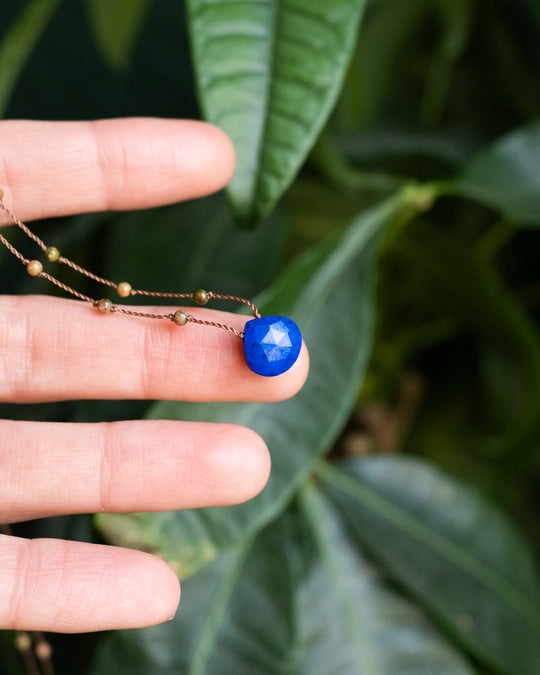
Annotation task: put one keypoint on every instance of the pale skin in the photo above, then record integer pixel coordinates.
(55, 349)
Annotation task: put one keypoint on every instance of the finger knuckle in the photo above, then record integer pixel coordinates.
(20, 353)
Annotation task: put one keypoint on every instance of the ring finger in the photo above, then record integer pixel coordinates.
(57, 468)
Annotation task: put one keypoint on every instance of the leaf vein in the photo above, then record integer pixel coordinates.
(484, 575)
(223, 77)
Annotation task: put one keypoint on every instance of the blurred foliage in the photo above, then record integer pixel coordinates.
(387, 198)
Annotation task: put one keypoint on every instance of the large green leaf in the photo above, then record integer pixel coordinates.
(506, 176)
(300, 600)
(268, 74)
(116, 24)
(351, 621)
(18, 43)
(329, 292)
(450, 548)
(171, 648)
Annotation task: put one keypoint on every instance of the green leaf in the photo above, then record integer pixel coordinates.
(144, 247)
(456, 20)
(387, 37)
(461, 282)
(329, 292)
(18, 43)
(299, 599)
(506, 176)
(351, 620)
(455, 552)
(116, 25)
(180, 645)
(269, 74)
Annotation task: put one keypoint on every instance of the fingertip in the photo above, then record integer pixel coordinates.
(237, 465)
(224, 152)
(245, 462)
(300, 372)
(261, 464)
(285, 386)
(59, 168)
(157, 597)
(126, 589)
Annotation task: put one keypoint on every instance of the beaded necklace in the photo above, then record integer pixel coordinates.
(271, 343)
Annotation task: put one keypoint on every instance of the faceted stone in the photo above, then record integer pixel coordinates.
(271, 344)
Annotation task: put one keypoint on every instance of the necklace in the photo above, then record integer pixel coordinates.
(271, 343)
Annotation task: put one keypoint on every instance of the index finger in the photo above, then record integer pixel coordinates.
(60, 168)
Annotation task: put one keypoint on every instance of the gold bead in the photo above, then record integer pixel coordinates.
(123, 289)
(34, 268)
(52, 253)
(1, 194)
(180, 318)
(200, 297)
(104, 306)
(23, 641)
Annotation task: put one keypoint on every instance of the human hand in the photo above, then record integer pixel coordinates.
(55, 349)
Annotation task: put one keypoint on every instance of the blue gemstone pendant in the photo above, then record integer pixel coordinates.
(271, 344)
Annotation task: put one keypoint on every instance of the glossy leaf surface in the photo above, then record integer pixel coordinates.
(451, 549)
(268, 74)
(367, 626)
(300, 600)
(328, 292)
(506, 176)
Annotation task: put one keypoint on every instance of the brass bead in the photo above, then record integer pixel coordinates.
(200, 297)
(34, 268)
(23, 641)
(180, 318)
(52, 253)
(104, 306)
(123, 289)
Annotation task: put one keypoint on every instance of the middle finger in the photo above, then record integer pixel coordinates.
(56, 349)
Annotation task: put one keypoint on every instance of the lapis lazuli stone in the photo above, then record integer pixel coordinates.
(271, 344)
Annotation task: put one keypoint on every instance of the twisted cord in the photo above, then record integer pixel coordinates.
(223, 326)
(113, 308)
(145, 315)
(210, 295)
(157, 294)
(235, 298)
(65, 287)
(12, 249)
(86, 273)
(20, 224)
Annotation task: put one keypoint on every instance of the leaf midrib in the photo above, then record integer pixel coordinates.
(484, 575)
(212, 624)
(312, 503)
